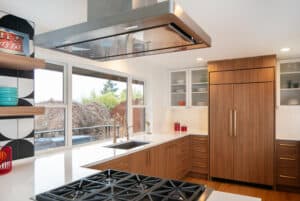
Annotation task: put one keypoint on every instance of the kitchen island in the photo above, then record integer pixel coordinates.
(50, 170)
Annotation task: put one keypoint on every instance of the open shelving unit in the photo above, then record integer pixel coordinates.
(290, 83)
(21, 111)
(16, 62)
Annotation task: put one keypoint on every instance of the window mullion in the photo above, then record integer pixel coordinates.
(68, 101)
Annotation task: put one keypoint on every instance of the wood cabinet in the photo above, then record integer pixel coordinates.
(184, 159)
(242, 111)
(122, 164)
(174, 159)
(221, 131)
(288, 163)
(254, 132)
(171, 160)
(199, 155)
(146, 162)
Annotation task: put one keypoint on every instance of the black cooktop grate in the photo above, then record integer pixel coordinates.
(112, 185)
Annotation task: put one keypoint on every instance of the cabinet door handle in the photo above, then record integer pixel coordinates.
(234, 123)
(287, 159)
(287, 145)
(230, 123)
(287, 177)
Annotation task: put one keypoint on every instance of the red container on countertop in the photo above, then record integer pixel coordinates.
(177, 127)
(183, 129)
(5, 160)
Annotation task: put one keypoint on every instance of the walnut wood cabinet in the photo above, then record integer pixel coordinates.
(199, 156)
(242, 119)
(288, 163)
(173, 160)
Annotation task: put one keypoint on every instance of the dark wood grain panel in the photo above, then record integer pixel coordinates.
(288, 163)
(242, 76)
(221, 138)
(254, 137)
(242, 63)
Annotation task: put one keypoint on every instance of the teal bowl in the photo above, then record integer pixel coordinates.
(8, 103)
(8, 92)
(8, 89)
(8, 99)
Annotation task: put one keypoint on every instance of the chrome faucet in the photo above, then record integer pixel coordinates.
(127, 132)
(114, 131)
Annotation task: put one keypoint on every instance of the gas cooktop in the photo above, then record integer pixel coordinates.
(112, 185)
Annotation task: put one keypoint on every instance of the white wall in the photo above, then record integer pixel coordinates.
(195, 119)
(288, 123)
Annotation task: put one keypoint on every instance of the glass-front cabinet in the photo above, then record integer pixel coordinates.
(189, 88)
(290, 83)
(199, 87)
(178, 88)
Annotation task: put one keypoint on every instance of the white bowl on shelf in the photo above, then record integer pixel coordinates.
(179, 90)
(201, 89)
(293, 101)
(201, 103)
(180, 82)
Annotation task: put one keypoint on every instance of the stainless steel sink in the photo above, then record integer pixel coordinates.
(127, 145)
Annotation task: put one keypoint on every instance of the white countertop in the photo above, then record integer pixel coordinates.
(50, 170)
(220, 196)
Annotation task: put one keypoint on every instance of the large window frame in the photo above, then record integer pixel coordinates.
(67, 98)
(139, 106)
(62, 105)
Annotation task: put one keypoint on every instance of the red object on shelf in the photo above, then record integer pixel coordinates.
(181, 103)
(5, 160)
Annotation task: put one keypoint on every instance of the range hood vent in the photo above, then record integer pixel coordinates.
(119, 29)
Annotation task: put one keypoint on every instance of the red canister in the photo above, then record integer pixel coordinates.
(5, 160)
(176, 126)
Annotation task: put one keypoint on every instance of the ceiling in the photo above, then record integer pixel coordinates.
(238, 28)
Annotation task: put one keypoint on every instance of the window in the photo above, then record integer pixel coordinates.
(49, 92)
(99, 101)
(138, 106)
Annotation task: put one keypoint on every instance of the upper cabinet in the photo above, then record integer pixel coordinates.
(189, 88)
(178, 80)
(199, 87)
(289, 85)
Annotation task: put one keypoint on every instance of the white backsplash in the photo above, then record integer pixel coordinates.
(195, 119)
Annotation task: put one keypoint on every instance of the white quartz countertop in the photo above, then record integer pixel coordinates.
(51, 170)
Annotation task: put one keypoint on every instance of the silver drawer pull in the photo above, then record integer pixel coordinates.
(287, 145)
(287, 159)
(287, 177)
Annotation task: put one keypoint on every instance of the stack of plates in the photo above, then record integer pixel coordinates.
(8, 96)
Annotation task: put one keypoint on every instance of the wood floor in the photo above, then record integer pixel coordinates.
(265, 194)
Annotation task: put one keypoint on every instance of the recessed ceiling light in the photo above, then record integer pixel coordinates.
(285, 49)
(199, 59)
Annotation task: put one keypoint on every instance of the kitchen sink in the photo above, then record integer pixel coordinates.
(127, 145)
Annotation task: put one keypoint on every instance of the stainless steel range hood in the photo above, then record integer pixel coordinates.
(119, 29)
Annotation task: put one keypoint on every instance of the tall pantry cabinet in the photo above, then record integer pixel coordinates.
(242, 119)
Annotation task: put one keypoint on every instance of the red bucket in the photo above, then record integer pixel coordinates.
(5, 160)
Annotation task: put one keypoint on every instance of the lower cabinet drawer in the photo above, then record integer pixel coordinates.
(287, 162)
(286, 180)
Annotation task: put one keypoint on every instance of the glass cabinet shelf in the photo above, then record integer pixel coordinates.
(178, 88)
(199, 87)
(290, 83)
(189, 88)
